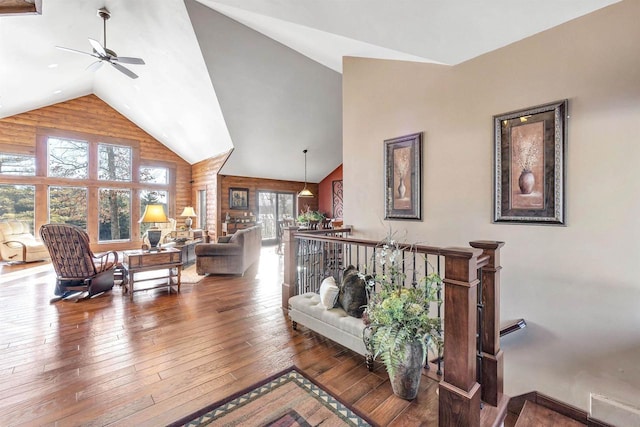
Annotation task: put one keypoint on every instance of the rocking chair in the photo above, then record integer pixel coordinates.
(77, 268)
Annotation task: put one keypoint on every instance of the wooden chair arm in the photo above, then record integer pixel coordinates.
(105, 260)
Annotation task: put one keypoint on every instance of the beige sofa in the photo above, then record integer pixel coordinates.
(234, 257)
(18, 244)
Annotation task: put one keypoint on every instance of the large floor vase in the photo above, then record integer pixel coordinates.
(406, 381)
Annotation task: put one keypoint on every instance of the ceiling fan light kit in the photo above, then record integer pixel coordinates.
(102, 54)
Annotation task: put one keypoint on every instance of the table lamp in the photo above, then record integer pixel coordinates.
(188, 212)
(154, 214)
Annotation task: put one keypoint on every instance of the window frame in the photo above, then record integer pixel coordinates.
(42, 181)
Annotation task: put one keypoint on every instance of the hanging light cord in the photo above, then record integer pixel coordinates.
(305, 167)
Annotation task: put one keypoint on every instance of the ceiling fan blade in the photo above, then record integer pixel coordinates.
(124, 70)
(97, 47)
(75, 51)
(128, 60)
(94, 66)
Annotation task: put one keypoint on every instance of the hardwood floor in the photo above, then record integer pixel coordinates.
(153, 360)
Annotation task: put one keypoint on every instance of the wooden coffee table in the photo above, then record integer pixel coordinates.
(138, 261)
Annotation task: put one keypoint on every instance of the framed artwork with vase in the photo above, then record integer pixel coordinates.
(403, 177)
(529, 175)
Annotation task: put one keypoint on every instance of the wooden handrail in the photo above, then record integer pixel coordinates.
(512, 327)
(320, 235)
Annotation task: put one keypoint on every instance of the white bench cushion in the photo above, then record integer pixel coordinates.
(335, 324)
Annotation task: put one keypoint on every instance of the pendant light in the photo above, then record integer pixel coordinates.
(305, 191)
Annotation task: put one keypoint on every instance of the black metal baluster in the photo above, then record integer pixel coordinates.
(414, 279)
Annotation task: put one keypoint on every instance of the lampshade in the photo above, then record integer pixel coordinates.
(154, 213)
(188, 211)
(305, 191)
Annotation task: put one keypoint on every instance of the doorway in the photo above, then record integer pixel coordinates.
(274, 206)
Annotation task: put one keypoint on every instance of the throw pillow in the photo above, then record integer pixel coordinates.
(353, 293)
(224, 239)
(329, 293)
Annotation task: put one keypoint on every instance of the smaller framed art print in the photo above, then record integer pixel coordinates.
(529, 175)
(238, 198)
(403, 177)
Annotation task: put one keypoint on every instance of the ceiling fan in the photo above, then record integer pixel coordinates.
(107, 55)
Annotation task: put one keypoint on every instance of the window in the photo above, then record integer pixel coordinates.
(17, 202)
(96, 182)
(114, 219)
(68, 205)
(17, 164)
(114, 163)
(68, 158)
(154, 175)
(149, 197)
(202, 209)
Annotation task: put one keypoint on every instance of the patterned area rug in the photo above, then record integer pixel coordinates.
(287, 399)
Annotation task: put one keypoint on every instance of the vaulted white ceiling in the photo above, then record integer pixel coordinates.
(260, 76)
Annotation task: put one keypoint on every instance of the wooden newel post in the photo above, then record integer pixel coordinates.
(492, 355)
(290, 272)
(459, 403)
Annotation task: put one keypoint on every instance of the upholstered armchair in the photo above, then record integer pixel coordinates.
(165, 233)
(77, 268)
(17, 244)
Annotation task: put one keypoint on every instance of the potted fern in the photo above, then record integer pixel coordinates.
(399, 326)
(309, 217)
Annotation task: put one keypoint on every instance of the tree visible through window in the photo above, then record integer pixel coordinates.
(68, 205)
(17, 202)
(114, 214)
(17, 164)
(68, 158)
(154, 175)
(114, 163)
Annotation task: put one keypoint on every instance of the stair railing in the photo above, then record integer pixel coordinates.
(473, 360)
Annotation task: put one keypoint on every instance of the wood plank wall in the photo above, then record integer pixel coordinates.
(255, 184)
(89, 114)
(205, 177)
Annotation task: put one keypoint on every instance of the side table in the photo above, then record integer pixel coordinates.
(188, 249)
(137, 261)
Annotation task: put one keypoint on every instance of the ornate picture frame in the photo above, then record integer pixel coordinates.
(529, 172)
(403, 177)
(238, 198)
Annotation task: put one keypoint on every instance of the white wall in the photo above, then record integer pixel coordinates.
(578, 287)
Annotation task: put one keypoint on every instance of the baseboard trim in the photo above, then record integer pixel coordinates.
(517, 402)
